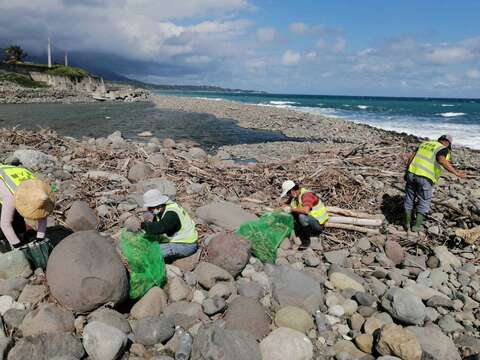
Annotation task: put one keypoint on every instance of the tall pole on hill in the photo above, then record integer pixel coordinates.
(66, 58)
(49, 50)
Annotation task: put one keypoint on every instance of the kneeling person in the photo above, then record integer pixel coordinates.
(308, 210)
(171, 226)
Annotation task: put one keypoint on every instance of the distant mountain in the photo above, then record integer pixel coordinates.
(110, 67)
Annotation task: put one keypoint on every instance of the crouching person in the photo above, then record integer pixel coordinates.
(171, 226)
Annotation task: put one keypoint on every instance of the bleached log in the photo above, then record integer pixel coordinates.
(352, 227)
(354, 221)
(354, 213)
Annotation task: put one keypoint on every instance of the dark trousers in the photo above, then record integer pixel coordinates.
(306, 226)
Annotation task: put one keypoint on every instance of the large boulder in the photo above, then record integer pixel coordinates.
(153, 303)
(139, 171)
(345, 279)
(249, 315)
(435, 344)
(46, 347)
(34, 159)
(103, 342)
(84, 272)
(226, 215)
(295, 288)
(47, 318)
(213, 342)
(152, 330)
(229, 251)
(81, 217)
(14, 264)
(404, 306)
(209, 274)
(447, 259)
(111, 318)
(285, 343)
(396, 341)
(294, 318)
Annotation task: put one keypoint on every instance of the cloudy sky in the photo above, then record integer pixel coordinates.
(369, 47)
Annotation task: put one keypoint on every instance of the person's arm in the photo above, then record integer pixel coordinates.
(442, 160)
(169, 224)
(410, 158)
(6, 219)
(41, 228)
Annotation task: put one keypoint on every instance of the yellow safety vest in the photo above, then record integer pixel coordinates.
(425, 161)
(319, 211)
(187, 234)
(13, 176)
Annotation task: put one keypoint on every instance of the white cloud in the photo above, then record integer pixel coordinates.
(340, 44)
(473, 74)
(291, 57)
(449, 55)
(266, 34)
(298, 27)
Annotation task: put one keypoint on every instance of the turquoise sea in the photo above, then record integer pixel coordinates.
(428, 117)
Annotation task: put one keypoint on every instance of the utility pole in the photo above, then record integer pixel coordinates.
(49, 49)
(66, 58)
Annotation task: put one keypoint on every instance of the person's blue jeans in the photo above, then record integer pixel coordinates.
(306, 226)
(178, 250)
(418, 188)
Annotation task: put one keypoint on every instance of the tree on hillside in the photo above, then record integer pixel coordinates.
(14, 54)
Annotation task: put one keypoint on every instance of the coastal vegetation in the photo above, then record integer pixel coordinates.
(14, 54)
(19, 79)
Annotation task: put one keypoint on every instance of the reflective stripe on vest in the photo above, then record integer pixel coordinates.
(13, 176)
(187, 233)
(319, 211)
(425, 161)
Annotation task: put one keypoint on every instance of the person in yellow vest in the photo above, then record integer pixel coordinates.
(23, 196)
(424, 168)
(307, 209)
(171, 226)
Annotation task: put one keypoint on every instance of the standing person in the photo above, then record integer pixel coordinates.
(172, 227)
(22, 196)
(307, 209)
(424, 168)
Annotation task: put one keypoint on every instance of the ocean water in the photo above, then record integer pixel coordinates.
(426, 117)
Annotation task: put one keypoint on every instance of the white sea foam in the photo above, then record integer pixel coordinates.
(447, 105)
(451, 114)
(363, 107)
(283, 102)
(208, 98)
(462, 135)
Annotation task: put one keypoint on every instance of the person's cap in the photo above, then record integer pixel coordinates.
(34, 199)
(286, 187)
(153, 198)
(446, 137)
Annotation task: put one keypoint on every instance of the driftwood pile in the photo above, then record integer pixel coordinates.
(366, 179)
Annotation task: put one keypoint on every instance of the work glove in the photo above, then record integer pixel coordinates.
(287, 210)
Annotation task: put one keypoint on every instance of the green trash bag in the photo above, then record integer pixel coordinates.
(146, 263)
(37, 253)
(267, 233)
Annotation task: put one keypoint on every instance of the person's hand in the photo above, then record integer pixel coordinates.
(460, 174)
(287, 209)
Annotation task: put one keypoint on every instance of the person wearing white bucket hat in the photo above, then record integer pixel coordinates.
(307, 209)
(23, 196)
(171, 225)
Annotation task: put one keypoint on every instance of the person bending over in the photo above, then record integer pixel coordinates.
(22, 196)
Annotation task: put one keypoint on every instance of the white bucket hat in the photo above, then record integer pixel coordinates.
(286, 187)
(153, 198)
